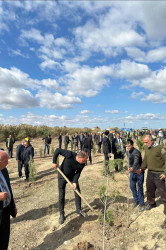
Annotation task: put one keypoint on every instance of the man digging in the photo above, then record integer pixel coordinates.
(72, 167)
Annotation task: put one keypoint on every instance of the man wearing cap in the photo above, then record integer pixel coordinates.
(155, 161)
(9, 144)
(27, 155)
(7, 205)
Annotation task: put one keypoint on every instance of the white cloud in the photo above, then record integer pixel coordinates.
(56, 100)
(112, 111)
(86, 81)
(153, 17)
(17, 98)
(131, 70)
(153, 55)
(153, 97)
(15, 78)
(84, 111)
(50, 84)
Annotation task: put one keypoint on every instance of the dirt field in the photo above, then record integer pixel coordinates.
(36, 226)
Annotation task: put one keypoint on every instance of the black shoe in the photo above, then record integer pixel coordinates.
(135, 204)
(62, 219)
(141, 207)
(150, 206)
(81, 213)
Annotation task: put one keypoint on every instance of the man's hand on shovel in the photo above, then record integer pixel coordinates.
(55, 165)
(74, 186)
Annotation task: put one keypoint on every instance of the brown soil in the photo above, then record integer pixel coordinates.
(36, 226)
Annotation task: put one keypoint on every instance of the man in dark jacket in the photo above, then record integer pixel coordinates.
(7, 205)
(66, 141)
(99, 141)
(27, 155)
(106, 146)
(117, 149)
(47, 143)
(9, 144)
(60, 140)
(87, 146)
(75, 141)
(19, 153)
(135, 161)
(72, 167)
(81, 137)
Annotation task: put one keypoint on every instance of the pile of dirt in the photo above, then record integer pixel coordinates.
(84, 246)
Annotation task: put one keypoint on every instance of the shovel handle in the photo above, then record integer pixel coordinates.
(64, 176)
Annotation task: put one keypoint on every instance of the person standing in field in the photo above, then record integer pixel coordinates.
(155, 161)
(47, 143)
(136, 180)
(19, 155)
(9, 144)
(27, 155)
(87, 146)
(66, 141)
(117, 149)
(7, 204)
(106, 146)
(60, 140)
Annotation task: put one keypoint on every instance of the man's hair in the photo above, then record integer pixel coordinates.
(129, 141)
(86, 133)
(117, 133)
(82, 154)
(107, 132)
(149, 137)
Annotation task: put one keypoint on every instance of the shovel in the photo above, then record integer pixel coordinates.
(64, 176)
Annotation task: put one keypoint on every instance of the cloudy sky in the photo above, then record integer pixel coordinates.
(83, 63)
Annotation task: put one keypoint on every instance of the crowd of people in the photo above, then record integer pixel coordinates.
(117, 144)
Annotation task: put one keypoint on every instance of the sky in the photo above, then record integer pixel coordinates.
(83, 63)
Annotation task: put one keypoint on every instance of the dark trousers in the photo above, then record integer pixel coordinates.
(106, 157)
(81, 145)
(66, 146)
(99, 147)
(136, 185)
(60, 144)
(62, 186)
(153, 182)
(26, 166)
(4, 228)
(10, 152)
(76, 147)
(20, 165)
(88, 151)
(118, 156)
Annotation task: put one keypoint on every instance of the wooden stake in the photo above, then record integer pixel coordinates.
(64, 176)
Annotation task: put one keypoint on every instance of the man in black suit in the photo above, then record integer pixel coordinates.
(99, 142)
(117, 149)
(72, 167)
(66, 141)
(106, 146)
(87, 146)
(60, 140)
(7, 205)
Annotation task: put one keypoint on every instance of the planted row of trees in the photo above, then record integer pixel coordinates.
(23, 130)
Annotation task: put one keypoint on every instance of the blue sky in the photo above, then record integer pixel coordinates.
(83, 63)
